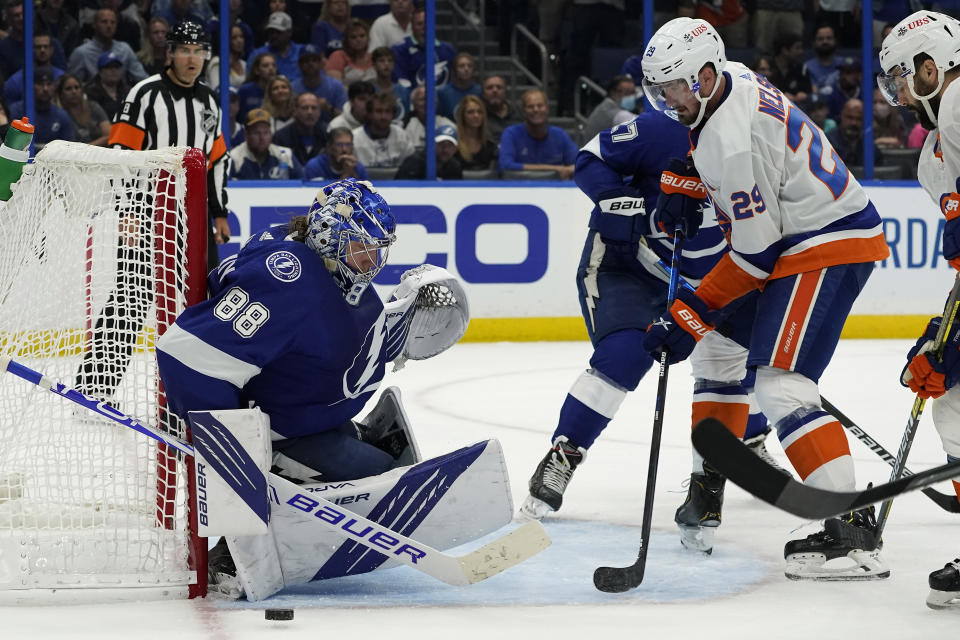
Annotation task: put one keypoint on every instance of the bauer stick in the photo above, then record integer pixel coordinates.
(913, 422)
(476, 566)
(620, 579)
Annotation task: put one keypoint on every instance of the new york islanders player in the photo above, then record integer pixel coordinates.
(621, 292)
(919, 62)
(803, 232)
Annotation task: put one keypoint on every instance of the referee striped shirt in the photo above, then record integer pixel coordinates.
(159, 113)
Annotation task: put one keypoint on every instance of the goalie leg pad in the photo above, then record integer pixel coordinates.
(388, 428)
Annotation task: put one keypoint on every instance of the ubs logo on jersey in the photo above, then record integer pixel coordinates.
(284, 266)
(208, 121)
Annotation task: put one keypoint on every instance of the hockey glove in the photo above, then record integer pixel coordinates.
(950, 206)
(924, 374)
(681, 200)
(618, 209)
(679, 330)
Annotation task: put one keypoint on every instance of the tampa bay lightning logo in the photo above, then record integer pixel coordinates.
(366, 371)
(284, 266)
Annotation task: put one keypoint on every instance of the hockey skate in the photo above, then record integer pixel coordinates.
(222, 572)
(851, 537)
(551, 478)
(945, 587)
(699, 515)
(387, 428)
(758, 446)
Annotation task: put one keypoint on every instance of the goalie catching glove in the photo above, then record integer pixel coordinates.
(925, 374)
(680, 328)
(427, 314)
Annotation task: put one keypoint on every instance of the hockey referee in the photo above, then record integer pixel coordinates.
(172, 108)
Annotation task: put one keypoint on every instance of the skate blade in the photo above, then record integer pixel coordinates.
(534, 509)
(865, 565)
(697, 538)
(943, 599)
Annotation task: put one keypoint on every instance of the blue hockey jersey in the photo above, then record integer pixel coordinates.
(642, 148)
(277, 332)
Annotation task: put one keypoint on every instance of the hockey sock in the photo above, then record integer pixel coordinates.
(725, 401)
(757, 422)
(817, 447)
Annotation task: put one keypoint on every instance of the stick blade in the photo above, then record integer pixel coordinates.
(510, 550)
(618, 579)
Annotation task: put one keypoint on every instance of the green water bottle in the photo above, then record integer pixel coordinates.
(14, 154)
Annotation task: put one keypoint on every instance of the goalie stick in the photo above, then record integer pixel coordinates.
(620, 579)
(946, 501)
(728, 455)
(476, 566)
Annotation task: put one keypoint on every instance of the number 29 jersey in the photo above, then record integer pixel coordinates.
(789, 202)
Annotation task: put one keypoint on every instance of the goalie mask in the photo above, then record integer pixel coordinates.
(672, 62)
(352, 228)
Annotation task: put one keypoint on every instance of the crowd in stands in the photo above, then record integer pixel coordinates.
(324, 89)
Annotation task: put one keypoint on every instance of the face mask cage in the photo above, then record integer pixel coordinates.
(893, 82)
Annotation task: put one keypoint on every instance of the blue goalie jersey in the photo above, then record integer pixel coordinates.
(277, 333)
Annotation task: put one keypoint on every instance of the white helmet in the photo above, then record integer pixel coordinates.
(676, 53)
(934, 34)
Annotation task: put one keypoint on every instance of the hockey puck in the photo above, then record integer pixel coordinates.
(278, 614)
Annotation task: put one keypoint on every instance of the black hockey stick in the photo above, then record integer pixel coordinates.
(620, 579)
(946, 501)
(913, 422)
(728, 455)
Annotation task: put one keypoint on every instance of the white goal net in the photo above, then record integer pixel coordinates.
(93, 267)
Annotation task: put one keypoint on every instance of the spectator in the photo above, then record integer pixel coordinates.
(83, 60)
(251, 93)
(824, 67)
(153, 54)
(108, 88)
(416, 124)
(390, 29)
(238, 43)
(763, 64)
(728, 17)
(632, 67)
(306, 135)
(4, 118)
(461, 84)
(918, 135)
(476, 150)
(90, 122)
(177, 11)
(409, 56)
(353, 62)
(258, 158)
(42, 54)
(774, 17)
(236, 136)
(236, 9)
(615, 109)
(843, 18)
(414, 167)
(383, 66)
(338, 161)
(52, 122)
(62, 26)
(355, 110)
(12, 44)
(331, 92)
(279, 43)
(279, 102)
(847, 138)
(819, 112)
(379, 142)
(847, 86)
(889, 130)
(500, 113)
(535, 145)
(327, 33)
(787, 72)
(128, 21)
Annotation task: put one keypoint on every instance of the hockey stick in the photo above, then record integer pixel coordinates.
(727, 453)
(947, 502)
(620, 579)
(476, 566)
(913, 422)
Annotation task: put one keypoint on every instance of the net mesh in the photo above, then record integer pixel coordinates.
(91, 268)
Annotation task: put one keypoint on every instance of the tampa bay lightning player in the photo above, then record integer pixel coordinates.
(621, 293)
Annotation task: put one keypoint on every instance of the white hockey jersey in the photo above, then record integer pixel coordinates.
(939, 166)
(789, 202)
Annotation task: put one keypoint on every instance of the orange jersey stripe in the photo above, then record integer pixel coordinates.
(829, 254)
(126, 135)
(733, 415)
(796, 319)
(956, 488)
(725, 283)
(217, 150)
(815, 449)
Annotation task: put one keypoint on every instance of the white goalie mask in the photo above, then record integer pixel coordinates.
(924, 32)
(672, 62)
(352, 228)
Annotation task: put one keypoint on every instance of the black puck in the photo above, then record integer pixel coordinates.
(278, 614)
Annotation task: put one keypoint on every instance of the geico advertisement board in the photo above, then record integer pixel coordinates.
(517, 247)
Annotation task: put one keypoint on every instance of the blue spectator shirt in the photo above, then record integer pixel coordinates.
(517, 148)
(250, 96)
(50, 123)
(13, 87)
(410, 59)
(286, 65)
(281, 164)
(318, 168)
(449, 97)
(820, 76)
(330, 89)
(326, 37)
(11, 55)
